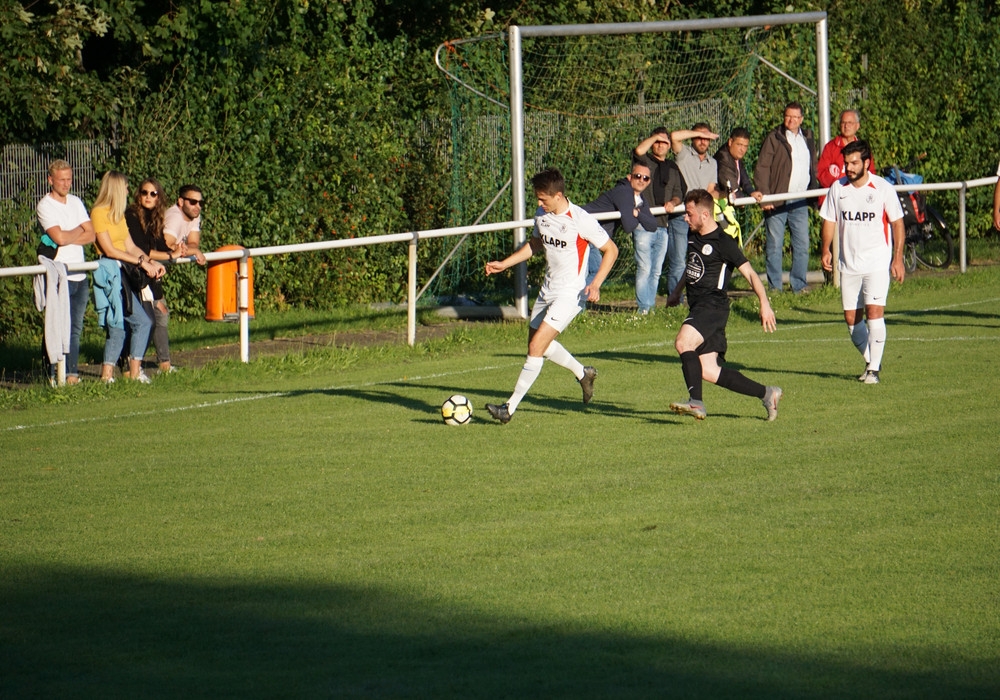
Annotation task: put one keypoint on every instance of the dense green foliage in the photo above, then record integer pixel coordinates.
(320, 119)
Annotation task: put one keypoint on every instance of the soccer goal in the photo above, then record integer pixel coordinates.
(580, 97)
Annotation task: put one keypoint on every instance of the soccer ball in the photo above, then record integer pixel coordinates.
(456, 410)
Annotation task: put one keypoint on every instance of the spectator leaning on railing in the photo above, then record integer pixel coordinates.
(66, 229)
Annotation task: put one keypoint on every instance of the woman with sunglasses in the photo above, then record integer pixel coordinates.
(115, 243)
(145, 224)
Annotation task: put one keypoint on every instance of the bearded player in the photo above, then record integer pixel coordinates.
(864, 211)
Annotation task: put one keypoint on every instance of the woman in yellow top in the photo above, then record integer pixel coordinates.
(113, 240)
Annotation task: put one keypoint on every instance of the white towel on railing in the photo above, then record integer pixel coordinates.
(52, 295)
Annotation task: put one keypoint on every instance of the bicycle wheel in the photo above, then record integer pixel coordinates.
(934, 248)
(910, 254)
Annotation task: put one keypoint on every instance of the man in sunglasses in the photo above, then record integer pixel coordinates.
(182, 223)
(626, 198)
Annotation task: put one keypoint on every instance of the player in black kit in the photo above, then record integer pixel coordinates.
(712, 255)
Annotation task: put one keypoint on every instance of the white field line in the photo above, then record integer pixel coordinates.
(235, 400)
(281, 394)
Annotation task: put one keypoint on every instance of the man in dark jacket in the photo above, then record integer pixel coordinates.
(626, 198)
(787, 163)
(669, 243)
(734, 180)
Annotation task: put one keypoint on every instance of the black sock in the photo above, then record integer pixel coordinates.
(734, 381)
(691, 366)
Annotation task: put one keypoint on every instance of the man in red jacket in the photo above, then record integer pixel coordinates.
(831, 163)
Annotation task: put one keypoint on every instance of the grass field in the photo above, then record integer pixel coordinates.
(306, 527)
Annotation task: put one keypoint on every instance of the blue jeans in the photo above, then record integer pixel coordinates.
(795, 214)
(140, 323)
(676, 252)
(79, 292)
(594, 260)
(650, 250)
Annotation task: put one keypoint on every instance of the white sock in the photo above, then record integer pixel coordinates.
(876, 342)
(859, 336)
(561, 356)
(529, 373)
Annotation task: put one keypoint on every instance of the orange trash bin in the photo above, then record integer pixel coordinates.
(223, 294)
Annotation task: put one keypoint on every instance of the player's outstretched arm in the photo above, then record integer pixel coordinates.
(767, 320)
(519, 256)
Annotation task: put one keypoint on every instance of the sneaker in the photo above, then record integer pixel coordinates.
(871, 376)
(772, 395)
(108, 380)
(499, 412)
(143, 378)
(696, 409)
(587, 383)
(864, 375)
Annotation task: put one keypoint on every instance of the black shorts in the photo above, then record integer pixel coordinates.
(709, 318)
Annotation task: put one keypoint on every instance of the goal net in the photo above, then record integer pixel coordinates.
(588, 100)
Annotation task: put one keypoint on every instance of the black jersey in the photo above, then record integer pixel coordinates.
(711, 260)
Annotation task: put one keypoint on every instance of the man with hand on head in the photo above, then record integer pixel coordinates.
(666, 189)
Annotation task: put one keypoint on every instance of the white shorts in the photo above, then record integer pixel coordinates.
(859, 291)
(558, 312)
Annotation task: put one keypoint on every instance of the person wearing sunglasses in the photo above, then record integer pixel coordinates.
(182, 223)
(636, 218)
(666, 190)
(144, 218)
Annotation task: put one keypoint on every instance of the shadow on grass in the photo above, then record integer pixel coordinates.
(83, 634)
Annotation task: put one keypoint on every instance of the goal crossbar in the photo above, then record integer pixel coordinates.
(516, 33)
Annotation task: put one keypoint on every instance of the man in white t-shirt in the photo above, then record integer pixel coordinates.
(864, 211)
(182, 223)
(564, 231)
(66, 226)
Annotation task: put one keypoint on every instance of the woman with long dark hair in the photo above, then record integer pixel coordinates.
(145, 224)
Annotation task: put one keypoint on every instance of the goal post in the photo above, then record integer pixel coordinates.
(517, 33)
(581, 97)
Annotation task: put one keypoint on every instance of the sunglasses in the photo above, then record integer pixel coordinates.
(194, 202)
(149, 193)
(639, 176)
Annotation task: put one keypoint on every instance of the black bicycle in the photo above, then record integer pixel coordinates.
(928, 240)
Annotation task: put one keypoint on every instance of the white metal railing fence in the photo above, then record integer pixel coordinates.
(413, 237)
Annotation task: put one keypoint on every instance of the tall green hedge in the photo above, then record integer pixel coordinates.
(317, 119)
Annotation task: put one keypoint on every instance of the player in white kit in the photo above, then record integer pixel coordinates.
(864, 211)
(563, 231)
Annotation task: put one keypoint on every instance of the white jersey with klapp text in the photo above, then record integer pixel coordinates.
(565, 237)
(863, 216)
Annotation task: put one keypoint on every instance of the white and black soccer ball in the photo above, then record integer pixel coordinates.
(456, 410)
